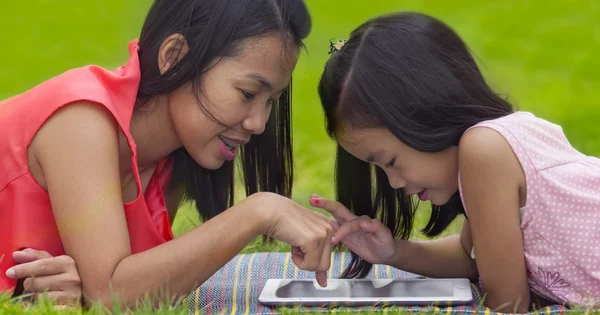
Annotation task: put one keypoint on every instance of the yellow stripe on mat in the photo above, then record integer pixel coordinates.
(548, 310)
(197, 300)
(477, 293)
(388, 271)
(285, 264)
(235, 282)
(487, 311)
(448, 310)
(248, 278)
(295, 271)
(376, 272)
(330, 269)
(184, 302)
(343, 257)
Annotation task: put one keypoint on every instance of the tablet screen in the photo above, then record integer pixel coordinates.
(402, 289)
(367, 289)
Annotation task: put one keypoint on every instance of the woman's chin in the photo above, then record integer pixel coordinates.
(214, 164)
(210, 162)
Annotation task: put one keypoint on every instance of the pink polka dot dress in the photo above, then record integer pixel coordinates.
(561, 220)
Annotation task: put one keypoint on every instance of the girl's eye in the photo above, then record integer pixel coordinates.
(247, 95)
(391, 163)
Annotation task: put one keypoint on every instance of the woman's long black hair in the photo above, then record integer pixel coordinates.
(213, 29)
(412, 74)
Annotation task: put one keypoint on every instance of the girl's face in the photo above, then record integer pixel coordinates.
(238, 93)
(430, 176)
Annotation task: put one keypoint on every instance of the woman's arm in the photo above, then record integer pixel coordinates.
(78, 151)
(56, 277)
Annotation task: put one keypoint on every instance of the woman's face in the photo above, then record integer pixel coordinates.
(236, 97)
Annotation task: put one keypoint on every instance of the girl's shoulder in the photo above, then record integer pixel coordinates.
(537, 143)
(486, 159)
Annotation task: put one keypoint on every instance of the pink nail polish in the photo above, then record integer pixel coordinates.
(314, 200)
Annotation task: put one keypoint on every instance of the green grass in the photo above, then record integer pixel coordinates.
(542, 54)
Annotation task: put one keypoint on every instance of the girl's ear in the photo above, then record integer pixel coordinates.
(172, 49)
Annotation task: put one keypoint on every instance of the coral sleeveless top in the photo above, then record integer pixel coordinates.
(26, 218)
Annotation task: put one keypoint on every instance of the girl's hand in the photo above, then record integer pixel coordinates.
(366, 237)
(45, 274)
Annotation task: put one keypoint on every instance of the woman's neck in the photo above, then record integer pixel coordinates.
(153, 133)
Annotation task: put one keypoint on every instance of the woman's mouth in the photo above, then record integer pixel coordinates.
(228, 148)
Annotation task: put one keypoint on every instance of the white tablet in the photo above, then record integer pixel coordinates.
(354, 292)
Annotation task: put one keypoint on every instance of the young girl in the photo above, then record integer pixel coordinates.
(86, 157)
(405, 95)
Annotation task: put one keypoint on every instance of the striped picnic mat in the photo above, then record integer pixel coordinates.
(235, 288)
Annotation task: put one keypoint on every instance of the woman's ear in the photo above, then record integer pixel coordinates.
(172, 49)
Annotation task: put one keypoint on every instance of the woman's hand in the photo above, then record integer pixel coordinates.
(366, 237)
(45, 274)
(308, 232)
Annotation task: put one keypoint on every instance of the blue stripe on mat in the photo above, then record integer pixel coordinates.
(235, 288)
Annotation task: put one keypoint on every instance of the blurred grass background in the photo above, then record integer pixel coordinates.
(543, 55)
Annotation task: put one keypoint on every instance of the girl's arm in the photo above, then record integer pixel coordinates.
(448, 257)
(493, 184)
(492, 180)
(78, 151)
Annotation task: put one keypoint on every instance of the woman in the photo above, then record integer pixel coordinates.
(86, 156)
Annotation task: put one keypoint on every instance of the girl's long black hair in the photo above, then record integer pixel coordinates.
(412, 74)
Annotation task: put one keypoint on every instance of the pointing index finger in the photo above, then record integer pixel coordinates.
(335, 208)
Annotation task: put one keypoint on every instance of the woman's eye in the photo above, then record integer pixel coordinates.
(247, 95)
(391, 163)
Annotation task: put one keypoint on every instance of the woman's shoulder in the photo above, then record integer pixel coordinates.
(23, 116)
(115, 89)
